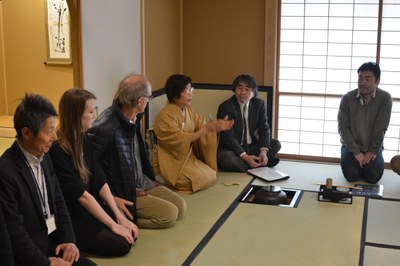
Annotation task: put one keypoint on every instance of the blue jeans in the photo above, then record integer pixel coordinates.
(371, 172)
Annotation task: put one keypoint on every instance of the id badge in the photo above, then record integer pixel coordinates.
(51, 224)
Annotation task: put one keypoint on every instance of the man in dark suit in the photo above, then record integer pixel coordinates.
(37, 219)
(6, 255)
(248, 144)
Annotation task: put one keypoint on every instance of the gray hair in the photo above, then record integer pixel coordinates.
(130, 89)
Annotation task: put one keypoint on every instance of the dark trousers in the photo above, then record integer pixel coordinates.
(97, 239)
(229, 161)
(371, 172)
(82, 261)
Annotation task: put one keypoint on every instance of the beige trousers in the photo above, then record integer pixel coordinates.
(161, 208)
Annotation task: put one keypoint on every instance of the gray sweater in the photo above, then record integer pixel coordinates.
(361, 127)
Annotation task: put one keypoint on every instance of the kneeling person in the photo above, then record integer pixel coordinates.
(248, 144)
(120, 148)
(83, 184)
(33, 205)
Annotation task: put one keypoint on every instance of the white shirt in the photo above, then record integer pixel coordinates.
(34, 165)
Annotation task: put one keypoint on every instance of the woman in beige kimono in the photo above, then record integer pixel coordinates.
(186, 150)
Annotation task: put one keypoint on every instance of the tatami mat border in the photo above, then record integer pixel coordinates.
(363, 243)
(363, 233)
(196, 251)
(378, 245)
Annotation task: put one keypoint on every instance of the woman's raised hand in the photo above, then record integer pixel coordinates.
(222, 124)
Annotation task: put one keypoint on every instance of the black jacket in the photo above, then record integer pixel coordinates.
(258, 125)
(112, 137)
(23, 210)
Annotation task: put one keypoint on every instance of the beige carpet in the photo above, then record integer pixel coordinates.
(314, 233)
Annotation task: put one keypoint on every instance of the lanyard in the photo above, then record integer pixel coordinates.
(41, 192)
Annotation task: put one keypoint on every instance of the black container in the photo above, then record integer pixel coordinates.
(292, 201)
(271, 195)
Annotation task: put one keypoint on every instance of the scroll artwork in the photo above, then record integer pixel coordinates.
(58, 32)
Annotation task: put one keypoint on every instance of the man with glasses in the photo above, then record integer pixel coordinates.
(121, 150)
(363, 119)
(248, 144)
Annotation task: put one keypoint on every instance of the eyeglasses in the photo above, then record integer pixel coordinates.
(188, 90)
(149, 98)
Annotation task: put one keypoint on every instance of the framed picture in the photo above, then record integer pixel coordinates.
(58, 32)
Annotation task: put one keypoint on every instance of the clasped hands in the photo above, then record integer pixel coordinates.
(70, 254)
(364, 158)
(254, 161)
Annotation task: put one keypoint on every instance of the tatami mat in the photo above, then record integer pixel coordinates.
(375, 256)
(383, 222)
(304, 175)
(314, 233)
(173, 245)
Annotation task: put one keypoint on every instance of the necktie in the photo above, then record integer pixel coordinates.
(244, 140)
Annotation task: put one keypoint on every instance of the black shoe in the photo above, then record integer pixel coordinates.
(272, 162)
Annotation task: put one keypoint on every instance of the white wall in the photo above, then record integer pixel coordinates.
(111, 45)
